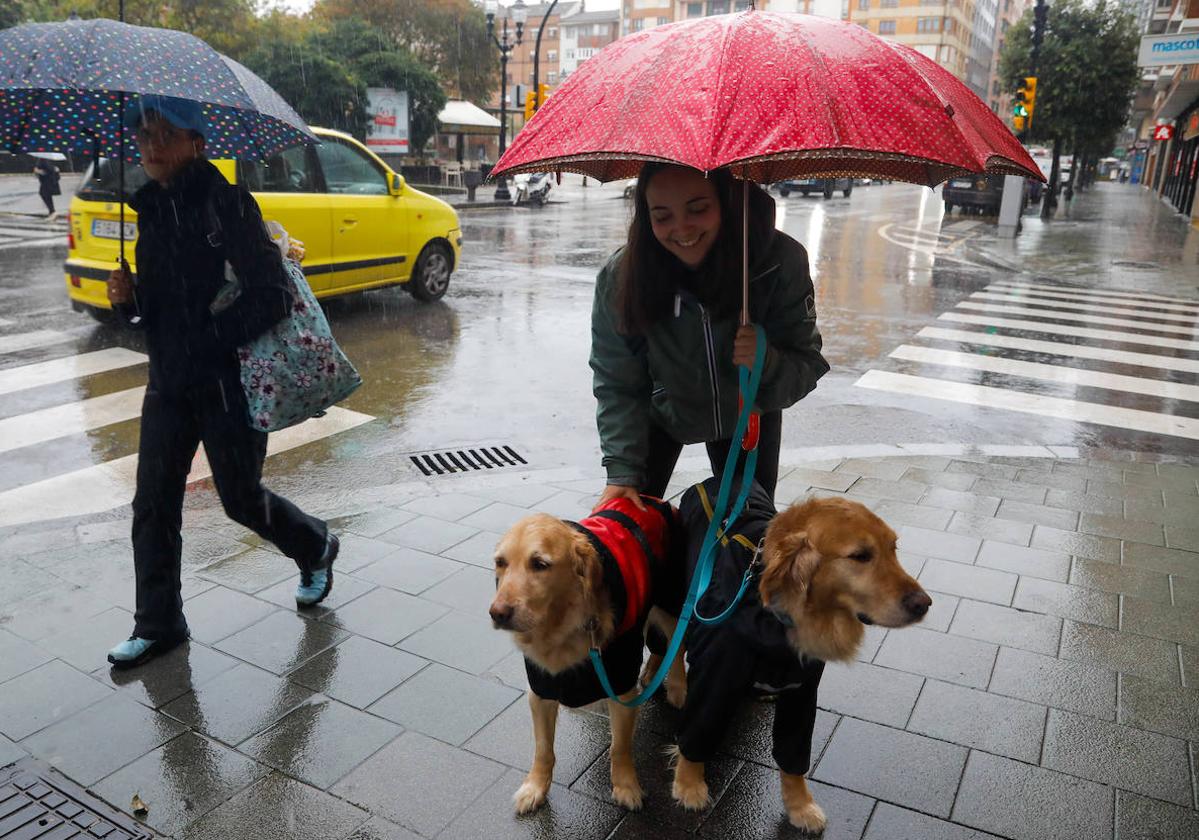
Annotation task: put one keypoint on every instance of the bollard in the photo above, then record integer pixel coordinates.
(1011, 206)
(471, 178)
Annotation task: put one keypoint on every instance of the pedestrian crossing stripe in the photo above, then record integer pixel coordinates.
(102, 487)
(1074, 290)
(31, 340)
(1031, 294)
(69, 419)
(1050, 373)
(1079, 351)
(1085, 307)
(1063, 409)
(1155, 326)
(1147, 320)
(68, 368)
(1066, 329)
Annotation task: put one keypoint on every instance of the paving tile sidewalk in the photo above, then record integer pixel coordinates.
(1053, 691)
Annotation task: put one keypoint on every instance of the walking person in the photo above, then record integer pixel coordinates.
(47, 185)
(666, 340)
(190, 222)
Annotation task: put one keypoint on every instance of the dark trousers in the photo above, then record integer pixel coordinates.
(47, 199)
(664, 454)
(172, 427)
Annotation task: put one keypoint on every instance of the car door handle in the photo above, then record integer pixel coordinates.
(348, 223)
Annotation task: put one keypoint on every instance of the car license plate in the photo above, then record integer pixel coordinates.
(104, 229)
(964, 183)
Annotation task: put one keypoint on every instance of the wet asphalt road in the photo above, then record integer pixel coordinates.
(503, 358)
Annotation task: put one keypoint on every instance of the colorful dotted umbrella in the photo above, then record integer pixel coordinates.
(64, 87)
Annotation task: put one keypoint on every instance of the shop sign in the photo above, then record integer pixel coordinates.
(1163, 132)
(1191, 131)
(1164, 50)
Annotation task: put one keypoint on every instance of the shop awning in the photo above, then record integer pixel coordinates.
(461, 117)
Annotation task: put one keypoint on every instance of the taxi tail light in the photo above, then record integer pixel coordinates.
(76, 282)
(71, 239)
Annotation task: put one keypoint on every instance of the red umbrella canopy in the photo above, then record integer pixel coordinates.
(772, 96)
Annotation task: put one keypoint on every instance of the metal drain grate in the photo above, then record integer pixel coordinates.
(467, 460)
(36, 802)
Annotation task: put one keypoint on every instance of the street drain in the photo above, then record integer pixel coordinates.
(467, 460)
(38, 804)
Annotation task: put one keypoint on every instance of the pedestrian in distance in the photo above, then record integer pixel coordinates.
(191, 221)
(47, 185)
(665, 334)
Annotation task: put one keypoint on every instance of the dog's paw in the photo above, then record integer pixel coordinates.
(651, 668)
(628, 795)
(530, 796)
(809, 818)
(692, 796)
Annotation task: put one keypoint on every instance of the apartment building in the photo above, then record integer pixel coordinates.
(583, 34)
(940, 29)
(1007, 13)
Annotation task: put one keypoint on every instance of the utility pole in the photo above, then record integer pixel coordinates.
(537, 57)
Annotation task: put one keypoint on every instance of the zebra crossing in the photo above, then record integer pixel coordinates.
(1118, 359)
(67, 414)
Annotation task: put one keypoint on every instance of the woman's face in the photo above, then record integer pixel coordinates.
(165, 148)
(684, 213)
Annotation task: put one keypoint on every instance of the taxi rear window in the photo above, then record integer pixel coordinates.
(102, 181)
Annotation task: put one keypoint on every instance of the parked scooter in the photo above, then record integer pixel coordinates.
(531, 187)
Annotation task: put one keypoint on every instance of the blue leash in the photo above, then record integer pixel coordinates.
(749, 382)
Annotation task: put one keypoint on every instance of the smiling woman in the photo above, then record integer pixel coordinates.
(666, 342)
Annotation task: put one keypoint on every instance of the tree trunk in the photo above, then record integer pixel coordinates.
(1049, 204)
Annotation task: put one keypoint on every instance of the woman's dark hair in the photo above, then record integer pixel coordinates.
(648, 276)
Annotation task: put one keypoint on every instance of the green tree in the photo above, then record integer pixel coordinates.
(323, 91)
(448, 36)
(378, 63)
(1086, 76)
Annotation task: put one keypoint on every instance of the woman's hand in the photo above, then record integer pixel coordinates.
(120, 286)
(619, 491)
(744, 345)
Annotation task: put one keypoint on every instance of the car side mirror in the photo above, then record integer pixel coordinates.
(395, 183)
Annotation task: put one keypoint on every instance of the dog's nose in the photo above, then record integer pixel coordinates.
(917, 603)
(501, 614)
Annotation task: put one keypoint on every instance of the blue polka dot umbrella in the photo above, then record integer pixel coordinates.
(64, 87)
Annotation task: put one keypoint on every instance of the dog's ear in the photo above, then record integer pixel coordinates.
(587, 566)
(790, 561)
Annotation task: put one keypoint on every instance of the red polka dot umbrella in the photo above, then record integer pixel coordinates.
(771, 96)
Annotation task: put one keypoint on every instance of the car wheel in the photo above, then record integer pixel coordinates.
(948, 207)
(784, 192)
(431, 277)
(845, 192)
(828, 193)
(103, 316)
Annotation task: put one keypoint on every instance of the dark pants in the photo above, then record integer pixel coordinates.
(171, 429)
(664, 454)
(47, 199)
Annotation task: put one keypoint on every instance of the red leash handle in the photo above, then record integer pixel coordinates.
(749, 441)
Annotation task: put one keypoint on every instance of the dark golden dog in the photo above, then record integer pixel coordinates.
(552, 596)
(829, 569)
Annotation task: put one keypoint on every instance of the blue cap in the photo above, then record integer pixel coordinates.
(181, 113)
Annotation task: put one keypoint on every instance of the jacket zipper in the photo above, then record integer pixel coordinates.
(709, 346)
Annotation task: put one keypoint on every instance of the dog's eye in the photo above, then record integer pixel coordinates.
(538, 564)
(863, 555)
(501, 563)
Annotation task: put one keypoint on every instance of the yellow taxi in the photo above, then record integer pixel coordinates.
(362, 225)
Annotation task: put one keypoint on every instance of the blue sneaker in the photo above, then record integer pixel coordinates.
(316, 584)
(136, 651)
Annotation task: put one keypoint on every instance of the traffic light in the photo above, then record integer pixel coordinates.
(543, 93)
(1030, 96)
(530, 104)
(1017, 124)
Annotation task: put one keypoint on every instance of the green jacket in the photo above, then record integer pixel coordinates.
(681, 375)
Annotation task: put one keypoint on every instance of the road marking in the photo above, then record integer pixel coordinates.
(1065, 329)
(4, 322)
(70, 367)
(69, 419)
(1083, 296)
(1086, 319)
(1080, 351)
(29, 340)
(1063, 409)
(1049, 373)
(105, 486)
(1087, 307)
(1043, 287)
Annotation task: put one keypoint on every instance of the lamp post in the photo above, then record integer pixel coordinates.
(537, 56)
(519, 14)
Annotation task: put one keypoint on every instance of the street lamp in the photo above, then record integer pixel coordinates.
(519, 14)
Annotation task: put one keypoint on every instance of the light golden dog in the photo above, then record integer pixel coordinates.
(829, 569)
(551, 595)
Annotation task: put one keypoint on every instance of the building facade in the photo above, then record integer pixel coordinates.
(1007, 13)
(940, 29)
(1172, 162)
(583, 34)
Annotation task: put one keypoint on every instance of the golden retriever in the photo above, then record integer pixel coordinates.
(829, 568)
(552, 595)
